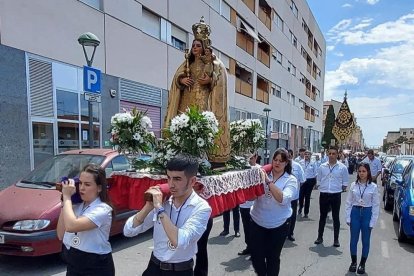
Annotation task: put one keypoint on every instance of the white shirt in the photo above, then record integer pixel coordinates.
(248, 204)
(191, 219)
(324, 159)
(96, 239)
(374, 165)
(298, 158)
(332, 178)
(310, 168)
(269, 213)
(370, 196)
(297, 172)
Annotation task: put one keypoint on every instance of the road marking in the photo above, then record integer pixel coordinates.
(217, 220)
(151, 247)
(382, 224)
(384, 249)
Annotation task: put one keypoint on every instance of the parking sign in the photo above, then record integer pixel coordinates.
(91, 80)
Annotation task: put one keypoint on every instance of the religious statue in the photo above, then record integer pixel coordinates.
(201, 80)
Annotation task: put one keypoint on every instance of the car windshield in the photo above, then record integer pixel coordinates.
(49, 172)
(399, 166)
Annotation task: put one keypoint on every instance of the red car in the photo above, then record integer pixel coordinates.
(30, 208)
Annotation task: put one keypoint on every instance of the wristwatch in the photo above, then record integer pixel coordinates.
(160, 213)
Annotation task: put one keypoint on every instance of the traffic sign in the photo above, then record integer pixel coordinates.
(91, 80)
(93, 97)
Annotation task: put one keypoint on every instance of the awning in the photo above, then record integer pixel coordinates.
(241, 25)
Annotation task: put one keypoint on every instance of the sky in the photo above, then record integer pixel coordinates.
(370, 53)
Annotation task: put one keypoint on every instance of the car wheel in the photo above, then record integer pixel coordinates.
(401, 235)
(387, 202)
(394, 214)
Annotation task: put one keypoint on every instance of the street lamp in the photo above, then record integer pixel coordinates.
(309, 140)
(89, 40)
(266, 159)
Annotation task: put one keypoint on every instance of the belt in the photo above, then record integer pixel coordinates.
(187, 265)
(360, 207)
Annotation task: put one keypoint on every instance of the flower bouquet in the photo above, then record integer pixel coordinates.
(193, 132)
(130, 133)
(246, 136)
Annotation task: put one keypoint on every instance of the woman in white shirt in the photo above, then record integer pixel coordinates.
(362, 210)
(270, 216)
(85, 227)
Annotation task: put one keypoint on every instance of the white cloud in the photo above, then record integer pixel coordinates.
(330, 48)
(347, 5)
(372, 2)
(339, 54)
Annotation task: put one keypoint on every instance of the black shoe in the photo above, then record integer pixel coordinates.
(244, 252)
(352, 267)
(224, 233)
(291, 238)
(237, 235)
(336, 243)
(305, 216)
(361, 269)
(318, 241)
(299, 212)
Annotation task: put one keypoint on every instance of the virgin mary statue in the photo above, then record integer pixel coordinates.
(201, 80)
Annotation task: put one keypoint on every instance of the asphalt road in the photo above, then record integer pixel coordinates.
(302, 257)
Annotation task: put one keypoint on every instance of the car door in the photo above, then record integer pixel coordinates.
(400, 190)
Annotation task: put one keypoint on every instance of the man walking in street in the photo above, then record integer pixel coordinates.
(311, 170)
(178, 223)
(333, 180)
(297, 172)
(374, 165)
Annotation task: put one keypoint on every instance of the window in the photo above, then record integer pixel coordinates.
(67, 105)
(151, 24)
(225, 59)
(279, 22)
(93, 3)
(278, 91)
(279, 56)
(293, 99)
(404, 133)
(289, 66)
(288, 96)
(293, 39)
(225, 10)
(178, 38)
(294, 8)
(275, 125)
(215, 5)
(293, 70)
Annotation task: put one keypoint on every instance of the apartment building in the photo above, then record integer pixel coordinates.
(273, 50)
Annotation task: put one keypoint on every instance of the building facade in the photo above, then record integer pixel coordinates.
(274, 52)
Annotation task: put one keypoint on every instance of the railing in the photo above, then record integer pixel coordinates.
(244, 88)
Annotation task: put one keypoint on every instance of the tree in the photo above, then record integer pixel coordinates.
(329, 124)
(401, 140)
(386, 146)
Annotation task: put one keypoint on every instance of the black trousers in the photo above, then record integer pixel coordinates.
(266, 247)
(329, 201)
(294, 205)
(305, 194)
(80, 263)
(236, 219)
(201, 263)
(154, 270)
(246, 220)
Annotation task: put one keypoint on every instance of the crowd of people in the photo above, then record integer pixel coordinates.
(182, 223)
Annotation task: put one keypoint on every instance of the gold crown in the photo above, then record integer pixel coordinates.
(202, 32)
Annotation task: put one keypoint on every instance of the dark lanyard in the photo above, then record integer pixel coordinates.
(331, 170)
(274, 181)
(179, 210)
(359, 188)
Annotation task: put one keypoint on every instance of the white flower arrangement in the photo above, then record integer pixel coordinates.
(246, 136)
(193, 132)
(130, 132)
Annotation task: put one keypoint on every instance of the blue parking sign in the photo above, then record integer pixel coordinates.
(91, 80)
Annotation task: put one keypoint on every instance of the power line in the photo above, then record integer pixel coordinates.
(386, 116)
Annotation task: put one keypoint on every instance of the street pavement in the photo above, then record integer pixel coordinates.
(302, 257)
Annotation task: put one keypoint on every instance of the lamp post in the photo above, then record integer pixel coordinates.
(89, 40)
(309, 140)
(266, 159)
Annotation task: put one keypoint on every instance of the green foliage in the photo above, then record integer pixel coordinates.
(246, 136)
(401, 140)
(329, 124)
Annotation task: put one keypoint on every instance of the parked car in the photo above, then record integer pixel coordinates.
(386, 163)
(403, 211)
(394, 174)
(29, 209)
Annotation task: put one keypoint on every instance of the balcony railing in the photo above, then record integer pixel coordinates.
(244, 88)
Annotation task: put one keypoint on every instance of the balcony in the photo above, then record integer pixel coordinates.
(264, 16)
(262, 96)
(245, 42)
(244, 88)
(250, 4)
